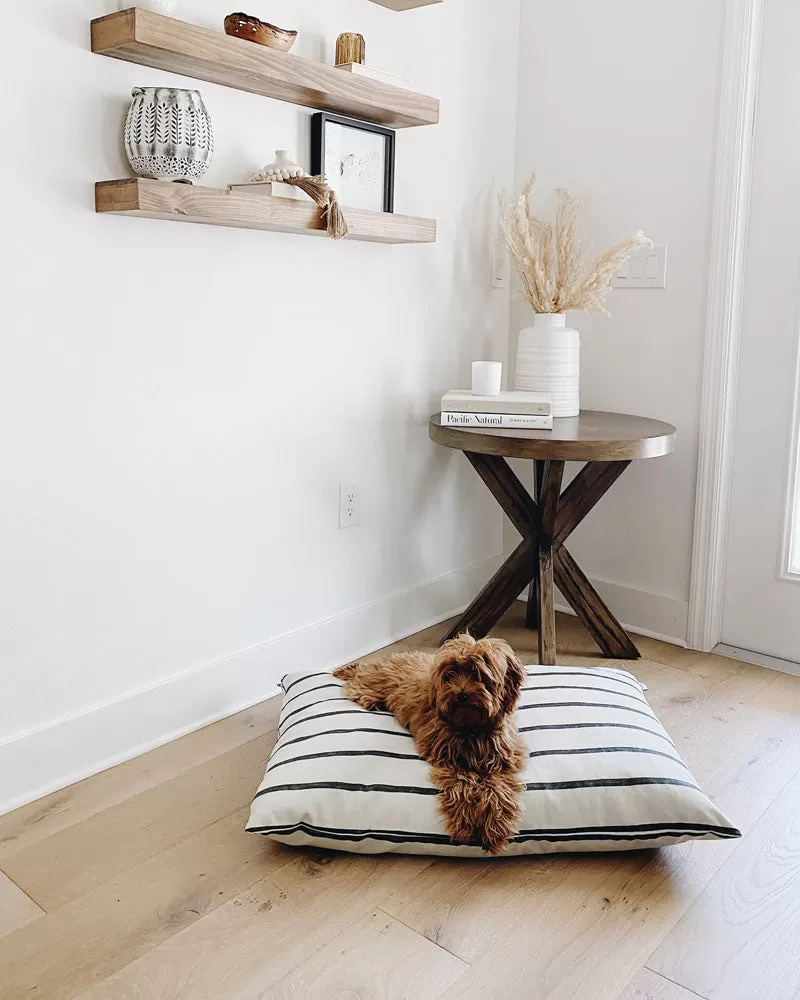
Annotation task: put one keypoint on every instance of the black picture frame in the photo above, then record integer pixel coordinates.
(319, 122)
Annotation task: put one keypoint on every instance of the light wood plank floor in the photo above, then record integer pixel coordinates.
(140, 882)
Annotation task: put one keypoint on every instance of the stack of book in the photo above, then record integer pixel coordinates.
(514, 410)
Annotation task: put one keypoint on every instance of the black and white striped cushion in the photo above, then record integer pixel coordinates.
(602, 775)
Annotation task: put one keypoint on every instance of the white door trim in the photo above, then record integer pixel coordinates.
(785, 572)
(735, 139)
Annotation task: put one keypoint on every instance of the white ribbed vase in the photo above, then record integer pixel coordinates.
(549, 361)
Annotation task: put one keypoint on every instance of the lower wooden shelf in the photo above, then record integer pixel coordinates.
(150, 199)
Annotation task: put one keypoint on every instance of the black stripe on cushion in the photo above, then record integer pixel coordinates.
(549, 786)
(551, 836)
(305, 677)
(348, 786)
(596, 725)
(327, 715)
(412, 756)
(314, 704)
(533, 786)
(586, 704)
(348, 753)
(584, 687)
(319, 687)
(584, 750)
(586, 673)
(553, 831)
(638, 827)
(341, 732)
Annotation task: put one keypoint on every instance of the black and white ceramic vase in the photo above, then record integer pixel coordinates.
(168, 134)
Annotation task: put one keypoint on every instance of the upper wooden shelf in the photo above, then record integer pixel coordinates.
(405, 4)
(150, 199)
(149, 39)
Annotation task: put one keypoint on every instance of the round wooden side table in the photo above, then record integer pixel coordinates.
(607, 443)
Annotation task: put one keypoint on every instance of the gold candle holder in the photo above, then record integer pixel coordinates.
(350, 48)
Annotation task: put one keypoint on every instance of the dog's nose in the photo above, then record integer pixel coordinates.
(461, 697)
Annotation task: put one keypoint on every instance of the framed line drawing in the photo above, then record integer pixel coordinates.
(357, 159)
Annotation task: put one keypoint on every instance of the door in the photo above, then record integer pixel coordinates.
(761, 609)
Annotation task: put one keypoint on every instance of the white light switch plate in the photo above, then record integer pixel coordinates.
(500, 266)
(646, 269)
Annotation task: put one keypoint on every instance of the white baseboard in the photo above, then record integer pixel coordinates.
(640, 611)
(43, 760)
(759, 659)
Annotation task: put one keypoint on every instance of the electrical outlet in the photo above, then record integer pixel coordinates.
(349, 505)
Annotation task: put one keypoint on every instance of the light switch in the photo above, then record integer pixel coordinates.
(500, 266)
(646, 269)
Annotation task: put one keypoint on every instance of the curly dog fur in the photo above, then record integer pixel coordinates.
(458, 703)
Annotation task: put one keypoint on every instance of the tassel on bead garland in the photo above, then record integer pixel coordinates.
(283, 171)
(318, 190)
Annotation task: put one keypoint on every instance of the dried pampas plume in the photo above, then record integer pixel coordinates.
(549, 258)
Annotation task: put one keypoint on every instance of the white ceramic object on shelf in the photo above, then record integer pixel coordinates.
(168, 7)
(549, 361)
(168, 134)
(282, 168)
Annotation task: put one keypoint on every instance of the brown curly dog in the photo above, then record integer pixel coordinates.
(458, 703)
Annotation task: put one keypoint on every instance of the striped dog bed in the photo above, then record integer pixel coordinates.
(602, 774)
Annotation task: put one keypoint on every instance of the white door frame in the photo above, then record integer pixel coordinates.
(735, 141)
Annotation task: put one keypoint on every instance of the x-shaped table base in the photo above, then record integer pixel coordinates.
(545, 522)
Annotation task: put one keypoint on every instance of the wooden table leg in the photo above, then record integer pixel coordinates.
(591, 609)
(545, 524)
(590, 485)
(519, 507)
(532, 610)
(552, 475)
(499, 593)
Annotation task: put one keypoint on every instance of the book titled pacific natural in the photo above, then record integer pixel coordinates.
(512, 409)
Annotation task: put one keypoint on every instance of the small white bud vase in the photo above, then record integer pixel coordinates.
(549, 361)
(168, 134)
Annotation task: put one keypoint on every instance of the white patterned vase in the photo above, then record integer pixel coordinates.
(168, 134)
(549, 361)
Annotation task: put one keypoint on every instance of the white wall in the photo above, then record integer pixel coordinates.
(160, 512)
(618, 103)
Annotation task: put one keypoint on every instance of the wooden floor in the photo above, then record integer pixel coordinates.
(140, 882)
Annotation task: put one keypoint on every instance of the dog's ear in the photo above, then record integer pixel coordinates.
(513, 673)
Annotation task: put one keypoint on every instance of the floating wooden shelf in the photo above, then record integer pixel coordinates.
(149, 39)
(216, 207)
(405, 4)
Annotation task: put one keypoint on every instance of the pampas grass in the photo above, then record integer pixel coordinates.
(549, 258)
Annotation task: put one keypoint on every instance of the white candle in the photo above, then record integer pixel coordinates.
(487, 377)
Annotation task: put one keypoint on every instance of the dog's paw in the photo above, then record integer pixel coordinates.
(494, 843)
(461, 834)
(368, 701)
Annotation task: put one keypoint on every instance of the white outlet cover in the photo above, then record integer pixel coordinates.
(349, 505)
(645, 269)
